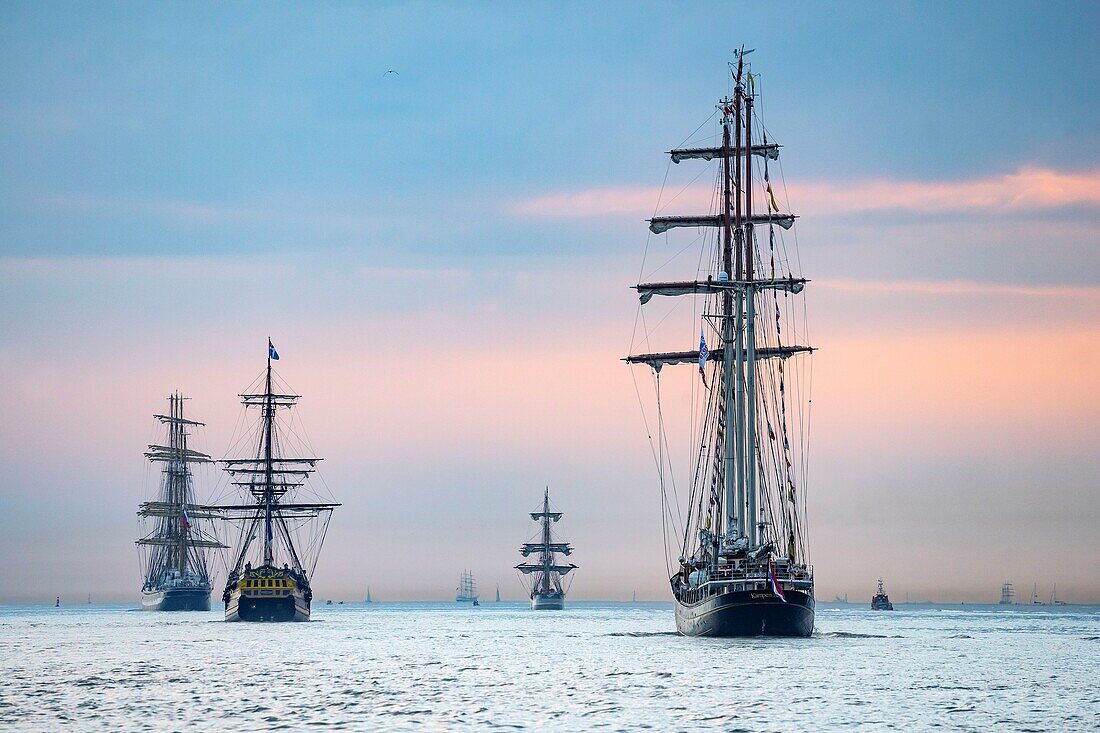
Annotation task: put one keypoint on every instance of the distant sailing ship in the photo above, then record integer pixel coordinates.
(274, 488)
(743, 568)
(368, 595)
(173, 550)
(498, 594)
(547, 593)
(1007, 594)
(467, 588)
(881, 601)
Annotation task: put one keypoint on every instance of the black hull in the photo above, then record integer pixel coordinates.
(176, 599)
(286, 608)
(747, 613)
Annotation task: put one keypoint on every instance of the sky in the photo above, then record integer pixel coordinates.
(443, 257)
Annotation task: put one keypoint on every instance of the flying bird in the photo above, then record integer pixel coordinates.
(391, 71)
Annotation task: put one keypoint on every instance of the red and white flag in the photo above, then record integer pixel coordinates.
(776, 589)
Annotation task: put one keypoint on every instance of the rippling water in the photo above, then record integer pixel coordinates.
(594, 666)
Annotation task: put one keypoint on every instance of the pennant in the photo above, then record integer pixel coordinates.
(773, 205)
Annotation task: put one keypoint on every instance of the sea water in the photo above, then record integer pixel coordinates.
(446, 666)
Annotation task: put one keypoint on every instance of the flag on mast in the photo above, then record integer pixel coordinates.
(704, 354)
(271, 352)
(185, 520)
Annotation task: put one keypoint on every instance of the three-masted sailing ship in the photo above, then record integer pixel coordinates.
(280, 530)
(174, 548)
(466, 592)
(742, 568)
(547, 592)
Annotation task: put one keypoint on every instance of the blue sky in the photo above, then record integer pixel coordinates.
(181, 180)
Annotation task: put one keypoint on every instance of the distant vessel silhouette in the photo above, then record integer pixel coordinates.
(467, 588)
(881, 601)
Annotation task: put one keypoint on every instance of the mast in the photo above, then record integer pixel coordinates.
(741, 475)
(269, 493)
(268, 481)
(749, 509)
(175, 544)
(547, 572)
(735, 479)
(545, 556)
(178, 441)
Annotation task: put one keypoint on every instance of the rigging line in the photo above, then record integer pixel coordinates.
(702, 235)
(679, 193)
(661, 470)
(662, 435)
(697, 129)
(656, 208)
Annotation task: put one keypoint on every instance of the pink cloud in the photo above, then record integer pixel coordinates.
(962, 287)
(1029, 187)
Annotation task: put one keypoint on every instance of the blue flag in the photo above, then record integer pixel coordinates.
(704, 354)
(271, 352)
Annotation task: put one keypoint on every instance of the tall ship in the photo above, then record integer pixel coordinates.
(881, 601)
(742, 567)
(1007, 594)
(466, 592)
(282, 514)
(545, 572)
(175, 544)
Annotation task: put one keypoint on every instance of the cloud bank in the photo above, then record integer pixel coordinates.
(1029, 188)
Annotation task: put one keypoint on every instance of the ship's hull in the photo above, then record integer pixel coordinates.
(290, 607)
(747, 613)
(548, 602)
(269, 594)
(176, 599)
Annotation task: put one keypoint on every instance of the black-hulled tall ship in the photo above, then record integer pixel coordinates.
(547, 592)
(742, 567)
(282, 524)
(175, 545)
(880, 601)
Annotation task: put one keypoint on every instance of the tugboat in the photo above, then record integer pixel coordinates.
(547, 593)
(173, 550)
(881, 601)
(467, 589)
(273, 486)
(743, 567)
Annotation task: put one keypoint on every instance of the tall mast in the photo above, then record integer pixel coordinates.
(179, 442)
(547, 556)
(736, 482)
(269, 493)
(751, 518)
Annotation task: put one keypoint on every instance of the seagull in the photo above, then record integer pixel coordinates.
(391, 71)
